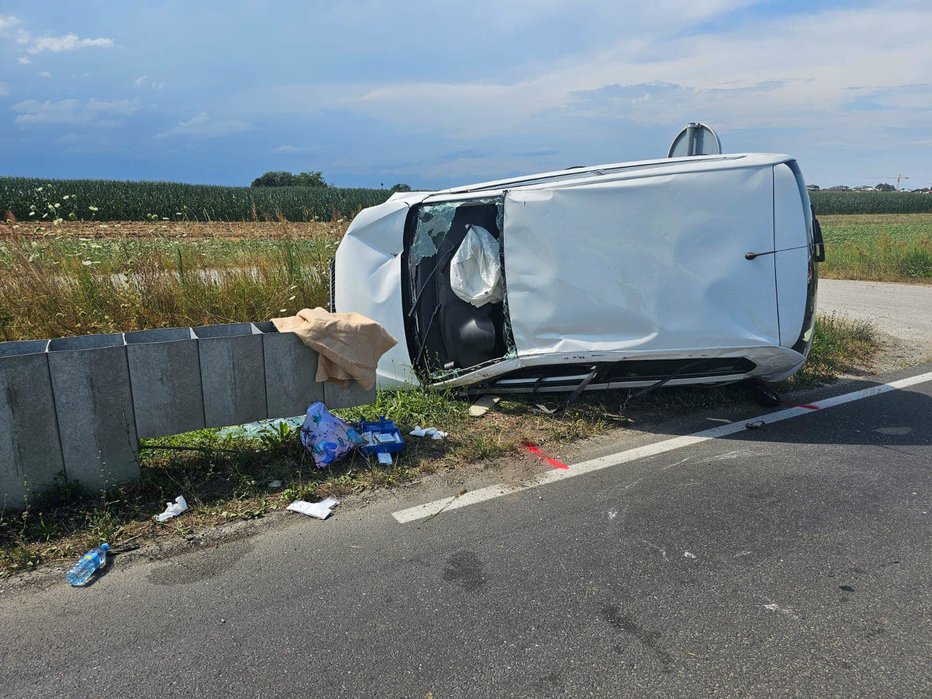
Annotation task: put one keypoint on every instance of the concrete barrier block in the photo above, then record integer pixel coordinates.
(94, 405)
(349, 397)
(290, 373)
(30, 450)
(232, 373)
(165, 376)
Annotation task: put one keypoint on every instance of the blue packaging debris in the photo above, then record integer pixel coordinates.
(381, 437)
(254, 430)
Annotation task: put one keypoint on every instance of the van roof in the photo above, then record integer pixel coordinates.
(661, 166)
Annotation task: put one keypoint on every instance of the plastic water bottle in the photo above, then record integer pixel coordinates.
(90, 561)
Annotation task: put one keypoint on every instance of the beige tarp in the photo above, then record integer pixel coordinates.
(349, 344)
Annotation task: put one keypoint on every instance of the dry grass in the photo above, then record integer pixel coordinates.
(178, 230)
(48, 290)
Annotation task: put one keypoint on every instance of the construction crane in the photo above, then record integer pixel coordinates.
(890, 177)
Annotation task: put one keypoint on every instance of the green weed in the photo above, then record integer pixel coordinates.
(878, 248)
(838, 346)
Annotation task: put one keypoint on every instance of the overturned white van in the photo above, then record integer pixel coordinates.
(697, 270)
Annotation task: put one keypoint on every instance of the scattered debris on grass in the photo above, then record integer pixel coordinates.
(431, 432)
(483, 405)
(172, 509)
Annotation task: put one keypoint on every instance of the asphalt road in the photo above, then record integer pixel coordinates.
(789, 560)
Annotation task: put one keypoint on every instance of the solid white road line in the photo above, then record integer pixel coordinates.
(496, 491)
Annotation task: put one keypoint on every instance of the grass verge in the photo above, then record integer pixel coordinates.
(878, 247)
(227, 479)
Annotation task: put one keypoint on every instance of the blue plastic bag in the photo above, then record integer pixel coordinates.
(327, 437)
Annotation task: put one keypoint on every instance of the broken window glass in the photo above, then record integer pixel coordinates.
(433, 223)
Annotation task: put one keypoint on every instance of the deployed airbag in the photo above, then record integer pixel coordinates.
(476, 268)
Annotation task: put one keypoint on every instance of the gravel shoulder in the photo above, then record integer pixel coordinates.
(901, 313)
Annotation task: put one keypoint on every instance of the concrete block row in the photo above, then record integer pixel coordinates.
(76, 407)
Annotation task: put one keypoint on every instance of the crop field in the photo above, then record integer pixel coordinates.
(106, 200)
(833, 203)
(110, 200)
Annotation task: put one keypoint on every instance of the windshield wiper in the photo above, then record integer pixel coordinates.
(417, 298)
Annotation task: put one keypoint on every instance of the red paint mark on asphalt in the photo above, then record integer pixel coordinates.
(535, 450)
(801, 405)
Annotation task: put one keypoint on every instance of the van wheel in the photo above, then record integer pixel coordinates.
(764, 395)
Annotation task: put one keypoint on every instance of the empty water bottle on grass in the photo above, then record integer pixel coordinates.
(82, 571)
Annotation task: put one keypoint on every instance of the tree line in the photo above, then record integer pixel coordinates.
(280, 178)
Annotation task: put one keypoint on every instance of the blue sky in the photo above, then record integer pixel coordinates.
(443, 93)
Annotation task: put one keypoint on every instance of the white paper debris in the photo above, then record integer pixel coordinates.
(385, 458)
(431, 432)
(320, 510)
(483, 405)
(173, 509)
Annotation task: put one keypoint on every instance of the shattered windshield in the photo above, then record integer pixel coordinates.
(433, 223)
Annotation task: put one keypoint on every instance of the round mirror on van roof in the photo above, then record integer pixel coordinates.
(695, 139)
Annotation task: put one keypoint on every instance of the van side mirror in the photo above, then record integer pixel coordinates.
(818, 242)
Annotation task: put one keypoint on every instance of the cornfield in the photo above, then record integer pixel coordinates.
(871, 202)
(109, 200)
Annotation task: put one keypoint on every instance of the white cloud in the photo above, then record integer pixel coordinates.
(143, 81)
(45, 74)
(666, 68)
(202, 125)
(7, 22)
(47, 44)
(24, 60)
(289, 149)
(4, 90)
(69, 42)
(100, 113)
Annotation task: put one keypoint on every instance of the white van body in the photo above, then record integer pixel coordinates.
(682, 270)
